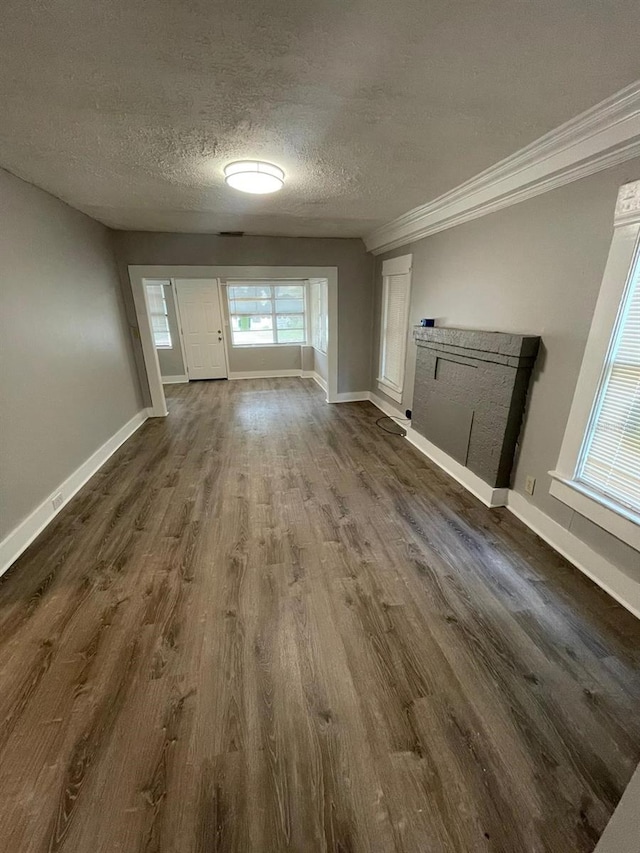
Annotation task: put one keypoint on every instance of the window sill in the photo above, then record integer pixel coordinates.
(622, 523)
(268, 346)
(389, 391)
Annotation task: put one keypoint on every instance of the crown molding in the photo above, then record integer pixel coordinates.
(597, 139)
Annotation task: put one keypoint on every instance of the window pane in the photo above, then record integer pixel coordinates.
(241, 339)
(155, 294)
(290, 321)
(294, 291)
(254, 323)
(159, 323)
(394, 328)
(250, 306)
(162, 339)
(291, 336)
(260, 291)
(290, 306)
(158, 316)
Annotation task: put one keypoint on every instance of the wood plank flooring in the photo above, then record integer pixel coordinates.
(266, 625)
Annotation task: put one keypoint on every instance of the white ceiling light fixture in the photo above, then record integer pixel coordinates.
(254, 176)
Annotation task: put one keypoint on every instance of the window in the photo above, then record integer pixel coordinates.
(396, 289)
(158, 315)
(319, 313)
(598, 471)
(610, 458)
(267, 314)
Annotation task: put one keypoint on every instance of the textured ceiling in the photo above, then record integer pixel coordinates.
(128, 109)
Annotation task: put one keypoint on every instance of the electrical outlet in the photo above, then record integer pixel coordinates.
(56, 501)
(529, 485)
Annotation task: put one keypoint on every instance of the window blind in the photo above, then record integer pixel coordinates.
(610, 460)
(158, 316)
(319, 314)
(394, 332)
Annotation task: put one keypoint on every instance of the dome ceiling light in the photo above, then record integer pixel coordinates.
(254, 176)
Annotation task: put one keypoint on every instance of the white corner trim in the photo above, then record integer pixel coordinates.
(175, 380)
(263, 374)
(23, 535)
(489, 496)
(620, 586)
(601, 137)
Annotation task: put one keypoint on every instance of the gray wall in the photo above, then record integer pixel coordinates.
(355, 279)
(535, 267)
(320, 364)
(247, 359)
(67, 381)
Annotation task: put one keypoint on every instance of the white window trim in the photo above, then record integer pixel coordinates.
(618, 520)
(394, 266)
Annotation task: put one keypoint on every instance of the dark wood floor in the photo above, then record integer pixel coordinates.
(267, 625)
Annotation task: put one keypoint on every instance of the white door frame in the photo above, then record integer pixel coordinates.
(138, 274)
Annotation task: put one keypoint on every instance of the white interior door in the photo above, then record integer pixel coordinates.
(201, 321)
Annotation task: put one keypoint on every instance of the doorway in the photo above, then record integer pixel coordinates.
(140, 275)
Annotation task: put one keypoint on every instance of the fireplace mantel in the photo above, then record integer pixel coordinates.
(469, 395)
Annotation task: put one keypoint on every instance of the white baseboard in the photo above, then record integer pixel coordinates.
(23, 535)
(620, 586)
(175, 380)
(263, 374)
(385, 406)
(311, 374)
(351, 397)
(275, 374)
(489, 496)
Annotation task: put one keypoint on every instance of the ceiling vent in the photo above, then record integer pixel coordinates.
(232, 234)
